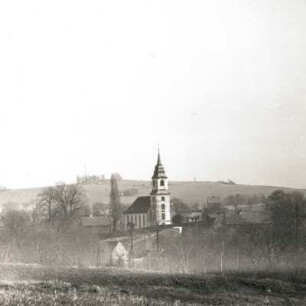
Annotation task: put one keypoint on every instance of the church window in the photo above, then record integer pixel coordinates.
(163, 198)
(163, 216)
(163, 206)
(162, 183)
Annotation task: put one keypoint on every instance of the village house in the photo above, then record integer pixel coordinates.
(153, 209)
(194, 216)
(113, 252)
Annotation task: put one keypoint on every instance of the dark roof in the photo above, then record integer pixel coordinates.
(159, 171)
(140, 206)
(96, 221)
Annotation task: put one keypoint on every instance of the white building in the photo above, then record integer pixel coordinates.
(149, 210)
(113, 252)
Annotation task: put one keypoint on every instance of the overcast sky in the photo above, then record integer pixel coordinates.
(220, 85)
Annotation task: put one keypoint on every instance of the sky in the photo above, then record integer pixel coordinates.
(218, 85)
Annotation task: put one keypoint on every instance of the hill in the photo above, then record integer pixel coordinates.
(189, 192)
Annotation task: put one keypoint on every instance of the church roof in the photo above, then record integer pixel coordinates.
(140, 206)
(159, 171)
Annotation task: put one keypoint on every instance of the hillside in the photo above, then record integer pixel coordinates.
(189, 192)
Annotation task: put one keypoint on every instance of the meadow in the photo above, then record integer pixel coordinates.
(38, 285)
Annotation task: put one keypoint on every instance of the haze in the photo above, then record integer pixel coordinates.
(218, 85)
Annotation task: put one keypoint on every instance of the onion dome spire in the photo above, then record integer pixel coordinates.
(159, 171)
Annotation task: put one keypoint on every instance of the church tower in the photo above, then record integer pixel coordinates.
(160, 196)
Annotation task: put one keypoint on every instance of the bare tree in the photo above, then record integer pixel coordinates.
(70, 198)
(115, 204)
(46, 201)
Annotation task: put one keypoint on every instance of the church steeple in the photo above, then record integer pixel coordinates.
(160, 196)
(159, 171)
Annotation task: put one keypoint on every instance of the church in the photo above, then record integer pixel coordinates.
(153, 209)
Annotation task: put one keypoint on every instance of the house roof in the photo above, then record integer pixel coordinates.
(140, 206)
(96, 221)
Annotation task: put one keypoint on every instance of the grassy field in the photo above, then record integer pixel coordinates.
(189, 192)
(36, 285)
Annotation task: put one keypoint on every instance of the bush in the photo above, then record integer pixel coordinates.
(177, 219)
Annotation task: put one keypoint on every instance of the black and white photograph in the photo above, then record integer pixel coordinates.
(153, 152)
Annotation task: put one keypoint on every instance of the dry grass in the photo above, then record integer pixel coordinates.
(35, 285)
(62, 293)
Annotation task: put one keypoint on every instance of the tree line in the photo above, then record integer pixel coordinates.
(51, 234)
(216, 245)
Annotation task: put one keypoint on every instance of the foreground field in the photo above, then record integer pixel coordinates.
(35, 285)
